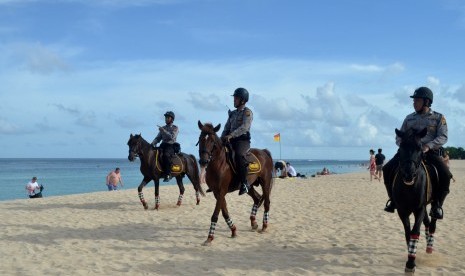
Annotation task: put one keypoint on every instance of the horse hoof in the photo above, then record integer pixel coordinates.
(429, 250)
(410, 270)
(156, 207)
(208, 242)
(145, 206)
(254, 226)
(179, 203)
(198, 201)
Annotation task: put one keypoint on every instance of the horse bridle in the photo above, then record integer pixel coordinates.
(131, 149)
(416, 164)
(204, 151)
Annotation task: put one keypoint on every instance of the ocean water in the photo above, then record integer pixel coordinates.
(63, 176)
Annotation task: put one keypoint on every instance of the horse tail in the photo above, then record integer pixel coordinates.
(196, 175)
(270, 167)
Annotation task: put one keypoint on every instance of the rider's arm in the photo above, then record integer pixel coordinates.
(441, 135)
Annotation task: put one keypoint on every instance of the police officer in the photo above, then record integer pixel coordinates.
(435, 138)
(237, 132)
(167, 134)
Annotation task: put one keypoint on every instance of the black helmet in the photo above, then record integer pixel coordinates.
(170, 114)
(242, 93)
(423, 92)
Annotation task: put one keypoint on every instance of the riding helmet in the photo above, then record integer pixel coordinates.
(241, 93)
(169, 114)
(423, 92)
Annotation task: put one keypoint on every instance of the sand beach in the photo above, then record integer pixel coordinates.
(327, 225)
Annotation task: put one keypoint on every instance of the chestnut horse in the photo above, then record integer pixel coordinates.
(411, 192)
(149, 168)
(221, 179)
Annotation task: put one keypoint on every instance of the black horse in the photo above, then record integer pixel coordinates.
(413, 183)
(185, 164)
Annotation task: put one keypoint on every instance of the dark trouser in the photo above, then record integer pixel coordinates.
(168, 152)
(38, 195)
(240, 148)
(439, 193)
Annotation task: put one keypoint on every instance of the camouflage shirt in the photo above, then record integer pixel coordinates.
(239, 122)
(168, 134)
(436, 136)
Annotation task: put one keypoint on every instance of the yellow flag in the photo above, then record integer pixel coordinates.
(277, 137)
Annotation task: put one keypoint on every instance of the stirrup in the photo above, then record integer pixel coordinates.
(244, 189)
(390, 206)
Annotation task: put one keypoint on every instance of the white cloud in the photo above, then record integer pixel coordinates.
(432, 81)
(7, 127)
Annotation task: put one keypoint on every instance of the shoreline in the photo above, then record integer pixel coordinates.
(318, 226)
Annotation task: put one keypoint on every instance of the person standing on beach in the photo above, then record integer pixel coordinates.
(372, 165)
(379, 159)
(113, 178)
(436, 137)
(167, 135)
(237, 132)
(34, 190)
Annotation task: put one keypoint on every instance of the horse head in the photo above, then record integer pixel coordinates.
(134, 144)
(208, 142)
(410, 154)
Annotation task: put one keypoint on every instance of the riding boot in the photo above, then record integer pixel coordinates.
(436, 207)
(243, 171)
(167, 173)
(390, 205)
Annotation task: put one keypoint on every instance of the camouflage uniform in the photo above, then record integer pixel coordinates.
(238, 128)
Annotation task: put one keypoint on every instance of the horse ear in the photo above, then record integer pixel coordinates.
(217, 128)
(423, 132)
(131, 136)
(200, 125)
(399, 133)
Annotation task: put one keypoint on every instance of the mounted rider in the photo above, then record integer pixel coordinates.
(167, 135)
(435, 138)
(237, 132)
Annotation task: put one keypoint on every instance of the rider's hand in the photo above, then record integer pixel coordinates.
(225, 139)
(425, 148)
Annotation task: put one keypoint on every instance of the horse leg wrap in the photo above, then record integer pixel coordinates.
(211, 232)
(179, 200)
(231, 226)
(197, 196)
(157, 202)
(141, 197)
(254, 211)
(142, 200)
(429, 242)
(412, 246)
(266, 218)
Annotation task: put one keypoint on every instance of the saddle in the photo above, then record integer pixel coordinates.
(432, 176)
(254, 166)
(177, 165)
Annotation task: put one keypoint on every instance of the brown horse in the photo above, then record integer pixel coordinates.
(183, 164)
(221, 178)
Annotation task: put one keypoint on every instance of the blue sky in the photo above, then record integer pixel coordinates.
(333, 77)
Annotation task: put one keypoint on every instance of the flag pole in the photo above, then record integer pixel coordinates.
(280, 147)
